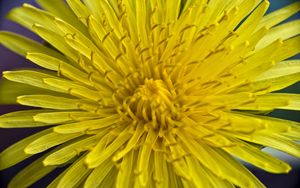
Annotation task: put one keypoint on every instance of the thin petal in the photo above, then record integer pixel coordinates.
(174, 180)
(73, 149)
(199, 177)
(161, 176)
(109, 180)
(75, 174)
(48, 101)
(11, 90)
(21, 119)
(28, 15)
(74, 88)
(22, 45)
(63, 117)
(87, 125)
(55, 182)
(99, 154)
(276, 100)
(283, 31)
(125, 175)
(81, 11)
(98, 174)
(47, 141)
(279, 15)
(131, 143)
(219, 165)
(268, 85)
(55, 40)
(258, 158)
(144, 157)
(61, 10)
(15, 153)
(31, 174)
(30, 77)
(61, 67)
(283, 68)
(275, 141)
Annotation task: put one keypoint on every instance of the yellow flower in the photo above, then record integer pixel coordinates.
(153, 93)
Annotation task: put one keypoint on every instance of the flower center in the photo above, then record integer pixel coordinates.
(151, 103)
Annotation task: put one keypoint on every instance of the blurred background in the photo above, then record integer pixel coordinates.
(10, 61)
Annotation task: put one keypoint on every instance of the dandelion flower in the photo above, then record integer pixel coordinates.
(152, 93)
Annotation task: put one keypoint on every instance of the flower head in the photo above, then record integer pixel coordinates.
(153, 93)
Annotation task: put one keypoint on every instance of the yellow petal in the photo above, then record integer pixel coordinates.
(63, 117)
(95, 8)
(249, 25)
(30, 174)
(81, 11)
(22, 45)
(109, 180)
(234, 122)
(259, 62)
(99, 154)
(289, 101)
(217, 32)
(265, 103)
(217, 181)
(279, 15)
(283, 31)
(174, 180)
(98, 174)
(125, 175)
(144, 157)
(59, 9)
(30, 77)
(73, 149)
(21, 119)
(199, 176)
(48, 101)
(61, 67)
(47, 141)
(11, 90)
(176, 156)
(161, 176)
(75, 174)
(87, 125)
(293, 133)
(254, 182)
(67, 28)
(107, 43)
(74, 88)
(131, 143)
(275, 141)
(111, 16)
(256, 123)
(15, 153)
(258, 158)
(105, 65)
(289, 48)
(55, 182)
(55, 40)
(223, 167)
(28, 15)
(268, 85)
(283, 68)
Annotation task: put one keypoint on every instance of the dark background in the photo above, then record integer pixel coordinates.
(9, 60)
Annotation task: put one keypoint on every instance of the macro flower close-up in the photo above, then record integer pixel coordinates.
(151, 93)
